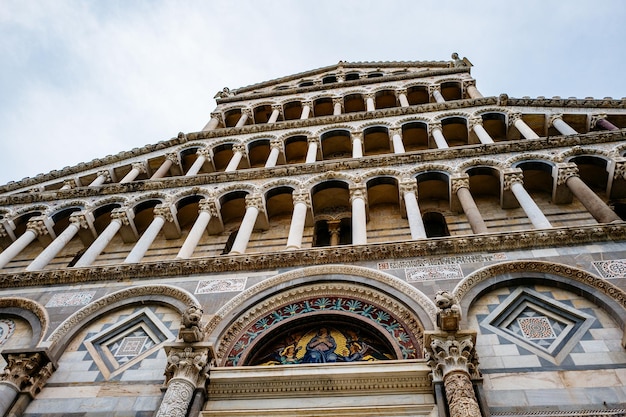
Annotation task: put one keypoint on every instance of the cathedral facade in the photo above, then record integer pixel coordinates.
(363, 239)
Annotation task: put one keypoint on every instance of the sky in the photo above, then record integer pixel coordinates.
(80, 80)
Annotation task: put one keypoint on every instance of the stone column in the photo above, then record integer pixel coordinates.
(568, 175)
(476, 124)
(524, 129)
(337, 105)
(460, 187)
(408, 188)
(359, 215)
(311, 152)
(301, 203)
(370, 105)
(600, 121)
(357, 144)
(203, 155)
(23, 378)
(170, 159)
(275, 148)
(238, 153)
(513, 180)
(470, 88)
(437, 134)
(137, 168)
(119, 217)
(452, 357)
(435, 92)
(245, 115)
(404, 101)
(396, 139)
(306, 109)
(334, 229)
(77, 221)
(103, 176)
(162, 213)
(187, 369)
(207, 209)
(276, 110)
(216, 119)
(36, 226)
(556, 120)
(254, 205)
(68, 184)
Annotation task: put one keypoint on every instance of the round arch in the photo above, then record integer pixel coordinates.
(31, 311)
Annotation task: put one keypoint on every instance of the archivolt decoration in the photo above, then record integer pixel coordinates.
(24, 303)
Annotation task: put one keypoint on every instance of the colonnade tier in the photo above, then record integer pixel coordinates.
(326, 200)
(344, 102)
(227, 155)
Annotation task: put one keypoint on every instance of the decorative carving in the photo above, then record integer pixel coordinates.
(106, 174)
(511, 177)
(217, 116)
(256, 201)
(164, 210)
(204, 152)
(514, 117)
(449, 314)
(408, 185)
(173, 156)
(554, 117)
(69, 184)
(565, 171)
(38, 225)
(459, 182)
(475, 121)
(458, 62)
(209, 206)
(358, 191)
(301, 196)
(122, 215)
(434, 125)
(448, 354)
(461, 397)
(27, 371)
(241, 148)
(225, 92)
(192, 328)
(620, 169)
(176, 399)
(80, 220)
(139, 166)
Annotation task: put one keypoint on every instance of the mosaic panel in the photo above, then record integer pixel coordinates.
(443, 260)
(430, 273)
(7, 328)
(69, 299)
(611, 269)
(536, 327)
(221, 285)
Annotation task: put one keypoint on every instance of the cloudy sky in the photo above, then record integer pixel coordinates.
(84, 79)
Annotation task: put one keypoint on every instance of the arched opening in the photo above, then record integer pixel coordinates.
(593, 171)
(451, 90)
(435, 224)
(329, 79)
(495, 125)
(351, 76)
(323, 107)
(333, 213)
(292, 110)
(188, 157)
(353, 103)
(262, 113)
(222, 154)
(144, 214)
(258, 152)
(336, 144)
(231, 117)
(417, 95)
(376, 140)
(232, 210)
(385, 217)
(306, 83)
(295, 149)
(455, 131)
(386, 99)
(415, 136)
(375, 74)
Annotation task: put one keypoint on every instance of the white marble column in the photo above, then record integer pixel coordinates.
(276, 110)
(301, 204)
(460, 187)
(369, 102)
(207, 209)
(36, 226)
(275, 148)
(435, 92)
(77, 221)
(337, 105)
(470, 88)
(396, 139)
(216, 118)
(119, 217)
(402, 98)
(307, 106)
(137, 168)
(359, 215)
(103, 176)
(254, 205)
(357, 144)
(203, 154)
(311, 152)
(476, 123)
(239, 151)
(437, 134)
(524, 129)
(245, 115)
(170, 159)
(162, 213)
(513, 180)
(556, 120)
(408, 188)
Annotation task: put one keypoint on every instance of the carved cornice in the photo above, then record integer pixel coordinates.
(496, 242)
(568, 102)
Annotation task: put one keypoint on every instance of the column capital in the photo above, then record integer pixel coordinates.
(27, 371)
(468, 83)
(301, 196)
(239, 147)
(395, 131)
(475, 121)
(313, 139)
(188, 362)
(595, 118)
(276, 144)
(139, 166)
(450, 352)
(371, 95)
(247, 111)
(39, 225)
(620, 168)
(553, 117)
(340, 77)
(408, 185)
(514, 117)
(307, 103)
(458, 182)
(106, 174)
(356, 135)
(358, 191)
(434, 87)
(434, 125)
(278, 107)
(402, 90)
(565, 171)
(173, 156)
(511, 176)
(69, 183)
(205, 152)
(337, 100)
(82, 220)
(256, 201)
(217, 115)
(167, 211)
(209, 206)
(123, 215)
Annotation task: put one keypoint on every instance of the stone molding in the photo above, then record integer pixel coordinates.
(29, 305)
(555, 237)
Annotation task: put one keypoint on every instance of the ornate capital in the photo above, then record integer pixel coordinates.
(358, 191)
(565, 171)
(512, 176)
(433, 88)
(459, 182)
(338, 100)
(620, 168)
(38, 225)
(313, 139)
(69, 183)
(395, 131)
(106, 174)
(434, 125)
(308, 103)
(468, 83)
(408, 185)
(276, 144)
(208, 206)
(277, 107)
(301, 196)
(247, 111)
(255, 200)
(475, 121)
(204, 152)
(449, 353)
(172, 157)
(80, 219)
(238, 147)
(553, 117)
(122, 215)
(356, 135)
(514, 117)
(27, 371)
(370, 95)
(166, 211)
(188, 363)
(218, 116)
(401, 91)
(139, 166)
(595, 118)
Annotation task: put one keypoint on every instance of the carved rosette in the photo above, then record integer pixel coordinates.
(566, 170)
(37, 225)
(165, 211)
(511, 177)
(27, 371)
